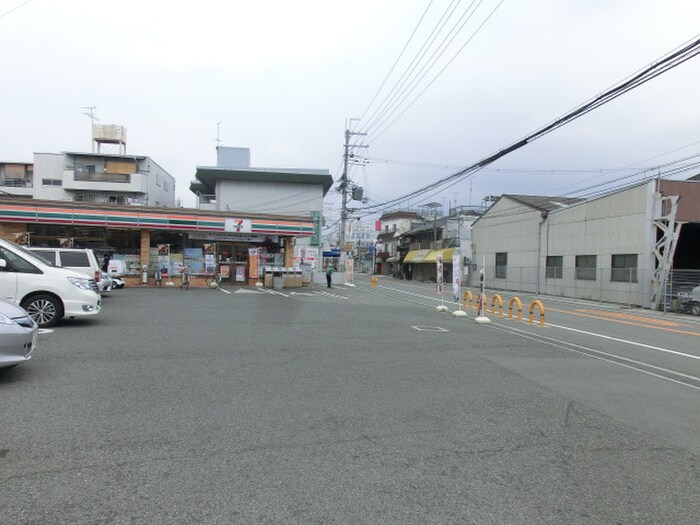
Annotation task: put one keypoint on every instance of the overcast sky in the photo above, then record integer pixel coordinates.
(282, 77)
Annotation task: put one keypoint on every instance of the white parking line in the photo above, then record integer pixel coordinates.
(618, 340)
(602, 356)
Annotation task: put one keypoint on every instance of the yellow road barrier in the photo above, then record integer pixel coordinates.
(468, 293)
(498, 298)
(539, 305)
(515, 300)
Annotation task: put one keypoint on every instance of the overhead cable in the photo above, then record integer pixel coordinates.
(667, 62)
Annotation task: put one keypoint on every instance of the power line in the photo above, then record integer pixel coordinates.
(380, 133)
(14, 8)
(667, 62)
(396, 90)
(397, 61)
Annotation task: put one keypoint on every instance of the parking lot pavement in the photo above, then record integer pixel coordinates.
(204, 407)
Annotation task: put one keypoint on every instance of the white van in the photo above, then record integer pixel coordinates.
(47, 293)
(81, 260)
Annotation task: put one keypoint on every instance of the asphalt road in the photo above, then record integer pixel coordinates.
(348, 405)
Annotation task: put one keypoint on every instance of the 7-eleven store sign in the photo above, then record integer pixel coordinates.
(238, 225)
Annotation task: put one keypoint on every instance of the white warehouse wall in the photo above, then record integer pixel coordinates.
(508, 227)
(617, 224)
(612, 225)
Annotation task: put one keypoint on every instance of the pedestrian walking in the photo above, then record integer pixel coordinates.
(329, 274)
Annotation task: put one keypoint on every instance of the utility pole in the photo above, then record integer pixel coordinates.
(344, 183)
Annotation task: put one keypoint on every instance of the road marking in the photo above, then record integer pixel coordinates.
(430, 329)
(225, 291)
(275, 292)
(329, 294)
(44, 331)
(610, 358)
(244, 290)
(634, 343)
(620, 321)
(631, 317)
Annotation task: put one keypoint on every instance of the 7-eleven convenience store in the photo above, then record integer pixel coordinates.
(136, 242)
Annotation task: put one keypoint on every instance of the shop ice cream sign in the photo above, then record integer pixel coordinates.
(238, 225)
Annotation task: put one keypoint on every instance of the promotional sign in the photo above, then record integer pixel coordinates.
(439, 274)
(164, 259)
(306, 255)
(318, 224)
(349, 267)
(253, 263)
(457, 275)
(209, 262)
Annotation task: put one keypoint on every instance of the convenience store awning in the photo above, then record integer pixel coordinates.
(446, 253)
(415, 256)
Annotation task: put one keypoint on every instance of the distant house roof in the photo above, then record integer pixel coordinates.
(427, 226)
(537, 202)
(695, 177)
(104, 155)
(207, 177)
(543, 203)
(398, 215)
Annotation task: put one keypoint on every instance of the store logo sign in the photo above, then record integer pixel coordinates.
(238, 225)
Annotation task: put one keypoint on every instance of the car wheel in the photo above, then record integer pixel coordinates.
(695, 308)
(46, 310)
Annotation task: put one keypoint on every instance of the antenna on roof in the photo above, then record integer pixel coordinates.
(91, 113)
(218, 141)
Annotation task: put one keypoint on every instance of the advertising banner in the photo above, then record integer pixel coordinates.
(253, 269)
(457, 275)
(306, 255)
(349, 268)
(439, 264)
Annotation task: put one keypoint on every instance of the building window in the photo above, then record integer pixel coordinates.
(501, 264)
(555, 265)
(51, 182)
(624, 268)
(165, 184)
(586, 267)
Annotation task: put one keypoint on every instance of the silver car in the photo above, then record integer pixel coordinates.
(17, 334)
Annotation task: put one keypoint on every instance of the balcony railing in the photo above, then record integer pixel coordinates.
(86, 176)
(16, 183)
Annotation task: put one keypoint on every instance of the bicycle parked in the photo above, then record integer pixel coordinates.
(185, 284)
(213, 280)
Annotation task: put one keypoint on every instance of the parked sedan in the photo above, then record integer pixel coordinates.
(17, 334)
